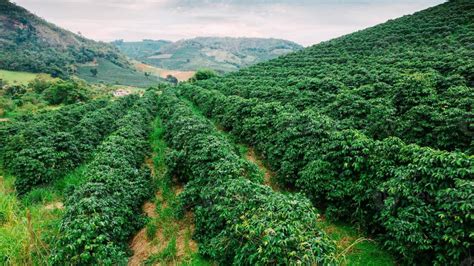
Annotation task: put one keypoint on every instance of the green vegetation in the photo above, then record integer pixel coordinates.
(237, 219)
(342, 122)
(219, 54)
(372, 129)
(411, 78)
(31, 44)
(103, 212)
(110, 73)
(31, 224)
(43, 149)
(17, 77)
(43, 93)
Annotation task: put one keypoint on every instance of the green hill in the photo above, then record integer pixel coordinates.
(29, 43)
(412, 77)
(220, 54)
(375, 127)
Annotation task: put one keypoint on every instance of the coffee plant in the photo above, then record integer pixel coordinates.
(395, 191)
(238, 220)
(102, 213)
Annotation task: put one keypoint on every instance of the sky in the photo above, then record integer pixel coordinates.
(306, 22)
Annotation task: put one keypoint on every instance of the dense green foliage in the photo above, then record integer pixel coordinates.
(66, 92)
(103, 212)
(216, 53)
(342, 121)
(28, 43)
(48, 146)
(411, 77)
(203, 74)
(418, 200)
(238, 220)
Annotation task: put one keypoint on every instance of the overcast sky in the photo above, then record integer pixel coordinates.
(303, 21)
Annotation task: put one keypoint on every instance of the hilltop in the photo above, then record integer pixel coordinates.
(223, 54)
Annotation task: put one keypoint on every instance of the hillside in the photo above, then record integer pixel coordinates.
(412, 77)
(375, 128)
(220, 54)
(29, 43)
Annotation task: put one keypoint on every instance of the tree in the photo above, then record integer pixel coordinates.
(66, 92)
(203, 74)
(172, 79)
(94, 72)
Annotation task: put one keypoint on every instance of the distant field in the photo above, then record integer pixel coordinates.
(16, 77)
(110, 73)
(180, 75)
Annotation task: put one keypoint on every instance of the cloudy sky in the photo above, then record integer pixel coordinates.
(303, 21)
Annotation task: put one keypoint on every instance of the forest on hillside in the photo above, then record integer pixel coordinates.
(354, 151)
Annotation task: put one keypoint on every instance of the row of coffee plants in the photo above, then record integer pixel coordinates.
(238, 220)
(103, 212)
(46, 149)
(25, 129)
(417, 200)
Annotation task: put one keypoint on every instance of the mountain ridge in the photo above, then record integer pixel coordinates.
(223, 54)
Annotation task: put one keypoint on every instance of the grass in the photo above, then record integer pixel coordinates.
(353, 249)
(30, 225)
(17, 77)
(109, 73)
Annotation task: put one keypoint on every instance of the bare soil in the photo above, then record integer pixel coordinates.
(268, 174)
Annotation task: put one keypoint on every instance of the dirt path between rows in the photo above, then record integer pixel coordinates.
(141, 245)
(268, 175)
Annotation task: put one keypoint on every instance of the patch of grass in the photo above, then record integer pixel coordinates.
(196, 260)
(151, 229)
(168, 254)
(353, 249)
(29, 225)
(71, 180)
(17, 77)
(39, 195)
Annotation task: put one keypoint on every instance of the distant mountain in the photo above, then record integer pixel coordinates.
(222, 54)
(140, 49)
(29, 43)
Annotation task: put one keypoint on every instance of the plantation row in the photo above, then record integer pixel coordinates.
(412, 78)
(238, 220)
(43, 123)
(42, 150)
(417, 200)
(103, 212)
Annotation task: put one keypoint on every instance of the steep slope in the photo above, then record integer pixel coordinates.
(29, 43)
(412, 77)
(220, 54)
